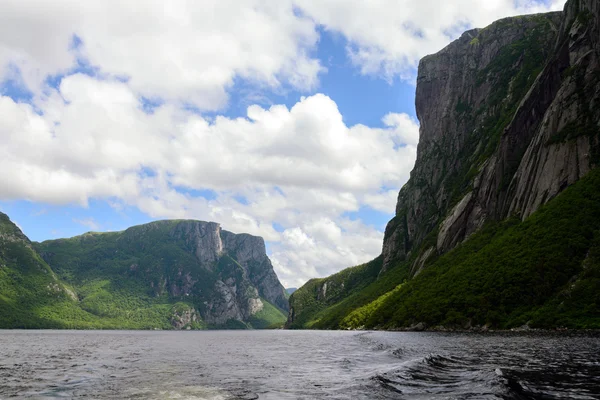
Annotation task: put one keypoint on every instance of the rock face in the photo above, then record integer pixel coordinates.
(204, 239)
(184, 318)
(218, 275)
(509, 118)
(250, 252)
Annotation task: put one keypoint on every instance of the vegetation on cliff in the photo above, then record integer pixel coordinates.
(31, 296)
(499, 223)
(544, 271)
(148, 277)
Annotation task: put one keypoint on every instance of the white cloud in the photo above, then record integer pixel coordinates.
(321, 246)
(388, 37)
(384, 201)
(301, 167)
(188, 51)
(194, 51)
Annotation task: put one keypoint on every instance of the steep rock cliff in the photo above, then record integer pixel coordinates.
(509, 120)
(250, 252)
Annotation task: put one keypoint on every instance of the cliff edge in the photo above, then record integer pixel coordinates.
(509, 118)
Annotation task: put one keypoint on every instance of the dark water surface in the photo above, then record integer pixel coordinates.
(296, 365)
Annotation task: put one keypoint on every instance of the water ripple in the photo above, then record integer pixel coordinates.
(225, 365)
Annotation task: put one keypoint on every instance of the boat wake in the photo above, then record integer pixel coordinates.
(452, 377)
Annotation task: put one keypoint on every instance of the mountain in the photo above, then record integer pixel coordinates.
(499, 223)
(166, 274)
(31, 294)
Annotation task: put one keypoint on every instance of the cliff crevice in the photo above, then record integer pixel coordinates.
(509, 119)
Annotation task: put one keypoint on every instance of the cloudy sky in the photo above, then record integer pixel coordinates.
(289, 119)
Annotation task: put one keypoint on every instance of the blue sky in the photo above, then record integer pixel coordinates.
(361, 99)
(293, 120)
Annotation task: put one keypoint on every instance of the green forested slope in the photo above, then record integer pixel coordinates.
(544, 271)
(31, 295)
(104, 269)
(143, 278)
(513, 272)
(499, 222)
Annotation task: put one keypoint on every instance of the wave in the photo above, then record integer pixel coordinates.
(451, 377)
(445, 376)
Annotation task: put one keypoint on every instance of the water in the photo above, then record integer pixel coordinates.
(296, 365)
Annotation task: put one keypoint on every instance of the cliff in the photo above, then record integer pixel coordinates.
(508, 120)
(513, 111)
(166, 274)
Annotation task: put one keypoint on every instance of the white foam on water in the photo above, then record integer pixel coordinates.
(183, 393)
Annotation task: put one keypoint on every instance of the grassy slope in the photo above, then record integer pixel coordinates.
(346, 291)
(269, 317)
(545, 270)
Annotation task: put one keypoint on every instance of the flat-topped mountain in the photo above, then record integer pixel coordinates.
(165, 274)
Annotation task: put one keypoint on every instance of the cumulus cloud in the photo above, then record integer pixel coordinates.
(321, 246)
(384, 201)
(188, 51)
(290, 174)
(388, 37)
(299, 167)
(193, 52)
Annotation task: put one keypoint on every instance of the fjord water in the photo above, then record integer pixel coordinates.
(297, 365)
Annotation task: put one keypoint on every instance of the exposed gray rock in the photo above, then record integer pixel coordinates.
(255, 305)
(323, 292)
(510, 117)
(224, 305)
(237, 294)
(455, 104)
(184, 318)
(204, 238)
(553, 139)
(421, 326)
(182, 285)
(447, 237)
(423, 258)
(250, 252)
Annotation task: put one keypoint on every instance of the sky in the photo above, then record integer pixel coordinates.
(293, 120)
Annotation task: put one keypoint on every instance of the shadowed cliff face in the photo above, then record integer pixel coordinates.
(558, 120)
(509, 118)
(250, 253)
